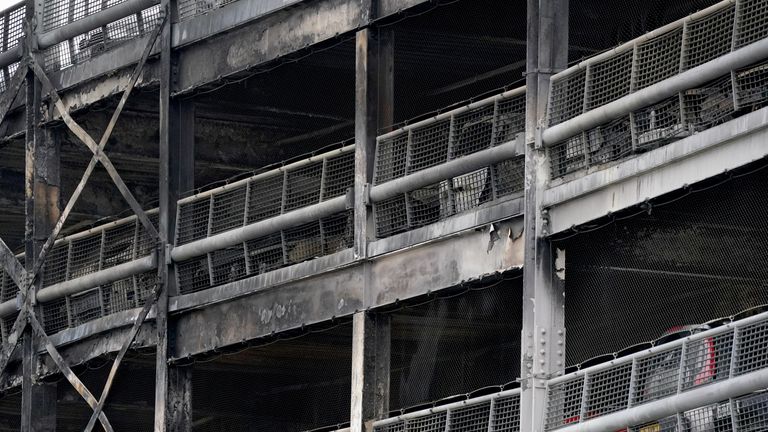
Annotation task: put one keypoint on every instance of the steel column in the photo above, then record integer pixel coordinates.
(543, 335)
(371, 339)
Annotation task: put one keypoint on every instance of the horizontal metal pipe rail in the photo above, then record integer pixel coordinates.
(86, 282)
(259, 229)
(456, 167)
(686, 401)
(81, 26)
(657, 92)
(93, 21)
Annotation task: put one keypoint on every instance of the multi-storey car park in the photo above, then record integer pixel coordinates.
(384, 215)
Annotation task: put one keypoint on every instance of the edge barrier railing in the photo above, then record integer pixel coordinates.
(682, 78)
(288, 215)
(710, 379)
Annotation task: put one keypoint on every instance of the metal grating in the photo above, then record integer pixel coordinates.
(97, 249)
(649, 60)
(715, 355)
(458, 133)
(76, 309)
(11, 25)
(95, 42)
(261, 197)
(493, 413)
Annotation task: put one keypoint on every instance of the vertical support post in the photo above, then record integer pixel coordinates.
(374, 66)
(42, 188)
(371, 339)
(173, 406)
(543, 335)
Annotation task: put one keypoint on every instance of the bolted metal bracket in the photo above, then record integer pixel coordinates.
(367, 194)
(349, 199)
(168, 249)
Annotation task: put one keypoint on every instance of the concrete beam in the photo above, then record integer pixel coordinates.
(649, 175)
(380, 281)
(272, 37)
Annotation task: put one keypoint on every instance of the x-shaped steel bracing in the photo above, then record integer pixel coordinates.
(23, 279)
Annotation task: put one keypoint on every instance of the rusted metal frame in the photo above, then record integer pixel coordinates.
(13, 267)
(67, 371)
(12, 90)
(98, 150)
(123, 350)
(12, 340)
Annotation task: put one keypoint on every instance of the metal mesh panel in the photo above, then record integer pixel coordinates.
(452, 135)
(608, 391)
(567, 97)
(428, 423)
(191, 8)
(265, 198)
(506, 412)
(708, 38)
(707, 360)
(84, 256)
(752, 22)
(650, 61)
(339, 175)
(6, 324)
(608, 80)
(709, 105)
(302, 186)
(473, 418)
(564, 403)
(497, 413)
(568, 156)
(57, 13)
(658, 59)
(77, 309)
(95, 42)
(752, 345)
(748, 413)
(55, 267)
(657, 376)
(751, 85)
(667, 370)
(194, 217)
(227, 211)
(12, 27)
(429, 145)
(658, 124)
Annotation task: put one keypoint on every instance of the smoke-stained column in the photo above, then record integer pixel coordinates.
(543, 338)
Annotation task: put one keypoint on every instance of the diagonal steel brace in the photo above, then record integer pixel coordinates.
(98, 156)
(127, 344)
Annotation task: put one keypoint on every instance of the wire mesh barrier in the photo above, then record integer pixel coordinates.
(455, 342)
(299, 383)
(689, 257)
(131, 401)
(11, 25)
(79, 255)
(447, 137)
(493, 413)
(88, 45)
(646, 61)
(259, 198)
(10, 410)
(192, 8)
(707, 356)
